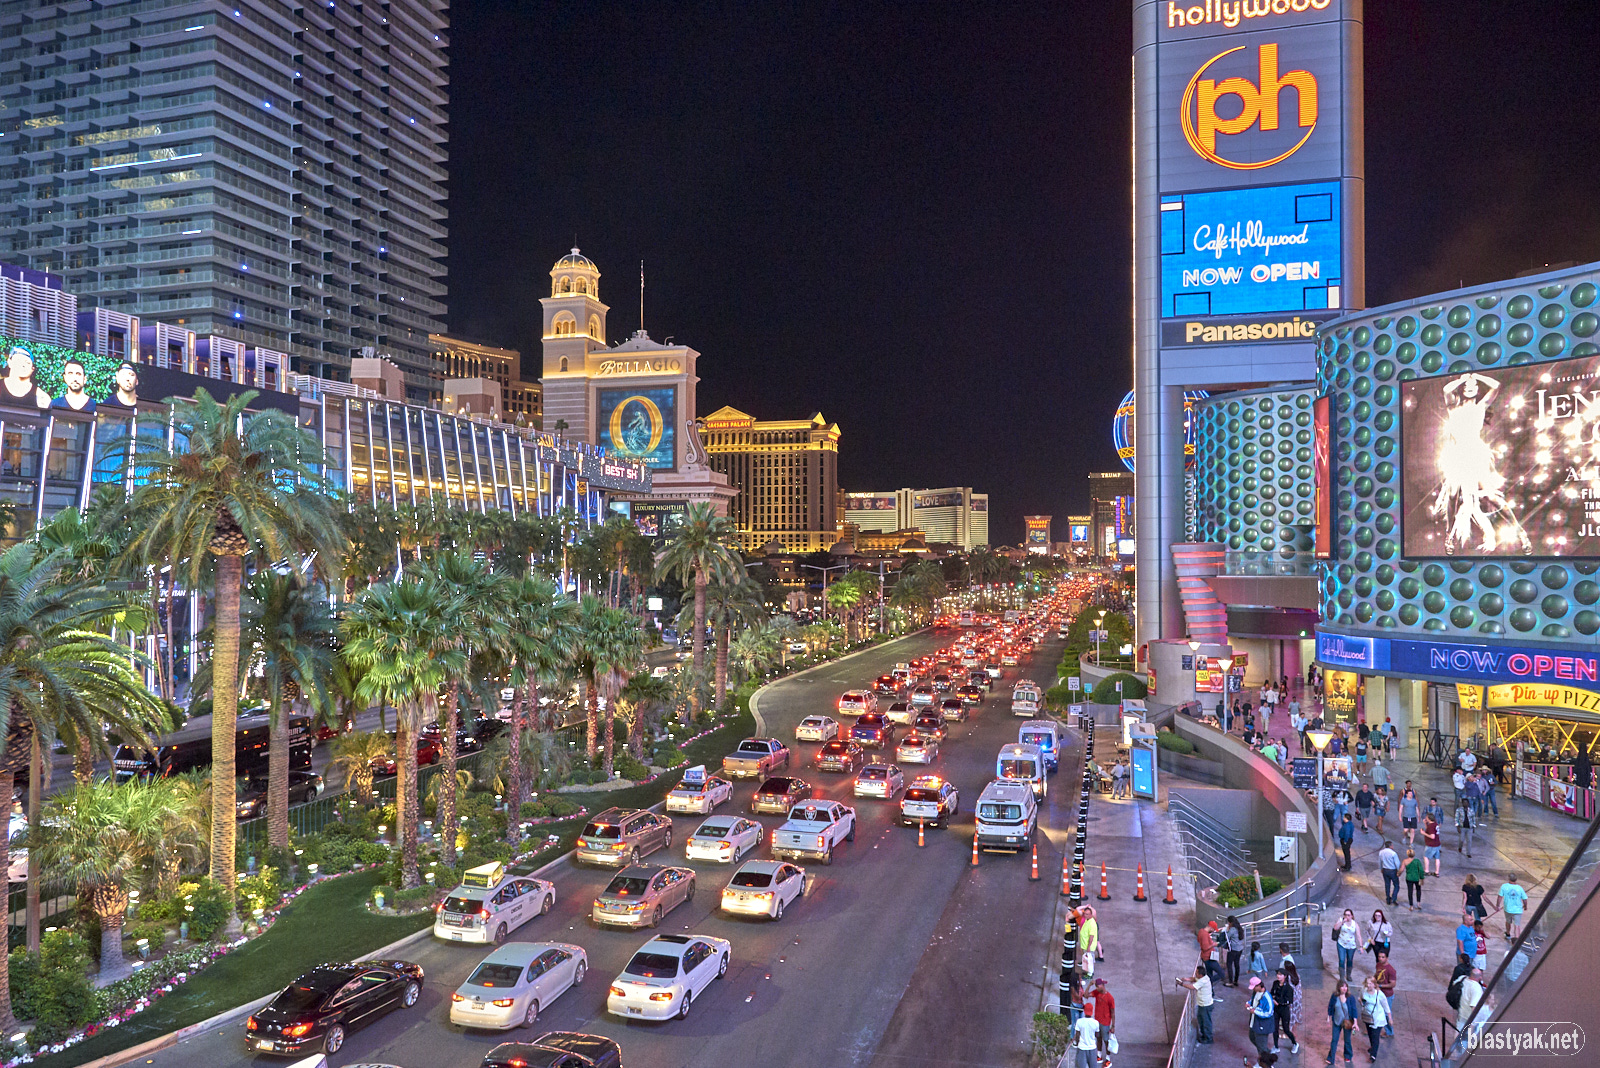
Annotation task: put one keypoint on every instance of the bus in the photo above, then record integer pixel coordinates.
(190, 750)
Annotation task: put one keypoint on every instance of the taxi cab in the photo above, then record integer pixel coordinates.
(699, 792)
(492, 901)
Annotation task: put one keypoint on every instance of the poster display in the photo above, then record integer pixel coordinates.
(658, 521)
(640, 424)
(40, 376)
(1341, 693)
(1321, 470)
(1504, 462)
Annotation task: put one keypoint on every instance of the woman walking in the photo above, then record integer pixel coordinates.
(1472, 897)
(1380, 934)
(1233, 934)
(1347, 936)
(1283, 995)
(1414, 876)
(1374, 1015)
(1286, 962)
(1343, 1011)
(1263, 1017)
(1466, 823)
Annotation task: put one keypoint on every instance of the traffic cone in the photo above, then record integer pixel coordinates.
(1033, 876)
(974, 851)
(1105, 892)
(1170, 900)
(1138, 889)
(1065, 876)
(922, 841)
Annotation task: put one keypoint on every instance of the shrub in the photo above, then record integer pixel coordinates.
(67, 1002)
(342, 829)
(1049, 1035)
(1105, 691)
(475, 806)
(168, 909)
(533, 810)
(1171, 741)
(630, 768)
(53, 988)
(261, 890)
(153, 930)
(562, 806)
(674, 757)
(27, 982)
(211, 910)
(1241, 890)
(1060, 697)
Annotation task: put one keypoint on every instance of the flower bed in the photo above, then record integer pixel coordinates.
(126, 998)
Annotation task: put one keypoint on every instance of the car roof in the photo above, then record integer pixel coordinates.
(718, 821)
(767, 866)
(611, 815)
(519, 953)
(640, 871)
(779, 781)
(577, 1042)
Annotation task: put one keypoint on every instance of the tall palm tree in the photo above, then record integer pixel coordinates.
(610, 647)
(730, 606)
(640, 700)
(700, 553)
(102, 837)
(541, 639)
(56, 667)
(395, 631)
(238, 485)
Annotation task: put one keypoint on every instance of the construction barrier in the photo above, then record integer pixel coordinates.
(1170, 900)
(1105, 891)
(1138, 890)
(1033, 876)
(1065, 875)
(974, 851)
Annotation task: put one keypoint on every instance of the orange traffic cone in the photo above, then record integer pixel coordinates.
(1066, 875)
(974, 851)
(1105, 892)
(1138, 889)
(1033, 876)
(1170, 900)
(922, 841)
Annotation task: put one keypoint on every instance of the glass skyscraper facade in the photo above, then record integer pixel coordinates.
(263, 171)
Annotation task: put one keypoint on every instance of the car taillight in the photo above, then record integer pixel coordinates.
(297, 1030)
(251, 1024)
(618, 992)
(483, 914)
(665, 995)
(504, 1003)
(725, 846)
(819, 841)
(457, 997)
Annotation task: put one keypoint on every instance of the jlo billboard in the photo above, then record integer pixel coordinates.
(1503, 462)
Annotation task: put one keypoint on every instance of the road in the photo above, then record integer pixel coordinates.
(826, 985)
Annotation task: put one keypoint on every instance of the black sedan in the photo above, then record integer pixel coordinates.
(303, 786)
(779, 794)
(839, 755)
(321, 1007)
(557, 1049)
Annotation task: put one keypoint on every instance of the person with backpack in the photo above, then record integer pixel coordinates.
(1263, 1017)
(1289, 968)
(1343, 1012)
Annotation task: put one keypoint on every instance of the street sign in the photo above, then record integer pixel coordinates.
(1283, 848)
(1304, 770)
(1119, 685)
(1295, 822)
(1073, 682)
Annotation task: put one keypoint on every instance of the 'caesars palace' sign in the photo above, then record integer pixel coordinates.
(659, 365)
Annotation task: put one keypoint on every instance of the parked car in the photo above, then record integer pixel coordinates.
(514, 982)
(303, 786)
(320, 1008)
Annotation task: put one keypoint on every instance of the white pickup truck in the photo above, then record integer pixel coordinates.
(814, 828)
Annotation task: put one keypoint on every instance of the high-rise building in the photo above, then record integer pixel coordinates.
(267, 172)
(786, 470)
(871, 511)
(1111, 502)
(950, 516)
(471, 362)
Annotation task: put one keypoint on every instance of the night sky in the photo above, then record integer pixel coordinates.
(915, 218)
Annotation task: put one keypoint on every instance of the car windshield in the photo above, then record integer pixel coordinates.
(752, 747)
(874, 773)
(916, 793)
(776, 786)
(462, 904)
(628, 886)
(1000, 813)
(811, 721)
(602, 830)
(752, 878)
(1044, 740)
(495, 975)
(653, 966)
(711, 831)
(911, 741)
(834, 747)
(1018, 769)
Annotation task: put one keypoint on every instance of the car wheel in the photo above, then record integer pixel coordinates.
(827, 858)
(777, 913)
(333, 1041)
(689, 896)
(500, 934)
(722, 969)
(409, 998)
(633, 858)
(851, 837)
(579, 975)
(655, 917)
(545, 906)
(683, 1009)
(532, 1015)
(666, 843)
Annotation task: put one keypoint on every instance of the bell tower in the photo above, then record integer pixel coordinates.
(574, 326)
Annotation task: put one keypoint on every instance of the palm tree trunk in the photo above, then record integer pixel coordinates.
(514, 772)
(8, 1020)
(591, 705)
(278, 777)
(445, 816)
(82, 761)
(111, 908)
(699, 645)
(170, 584)
(724, 635)
(405, 800)
(36, 766)
(224, 726)
(611, 722)
(636, 734)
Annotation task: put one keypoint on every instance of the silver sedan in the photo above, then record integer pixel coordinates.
(917, 749)
(879, 780)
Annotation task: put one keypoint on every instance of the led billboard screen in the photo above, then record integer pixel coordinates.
(869, 502)
(936, 500)
(658, 521)
(640, 424)
(1250, 251)
(1322, 476)
(1503, 463)
(1079, 532)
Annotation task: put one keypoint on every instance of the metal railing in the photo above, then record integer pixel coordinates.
(1207, 847)
(1289, 924)
(52, 900)
(1183, 1041)
(1438, 749)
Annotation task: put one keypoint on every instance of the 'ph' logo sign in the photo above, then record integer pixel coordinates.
(1258, 103)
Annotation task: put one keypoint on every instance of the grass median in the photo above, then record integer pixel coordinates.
(330, 922)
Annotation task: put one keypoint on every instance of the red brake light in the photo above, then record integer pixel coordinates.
(483, 914)
(251, 1025)
(503, 1003)
(457, 997)
(297, 1030)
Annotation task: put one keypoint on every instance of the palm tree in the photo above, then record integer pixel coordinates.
(541, 639)
(475, 628)
(354, 753)
(183, 833)
(610, 646)
(730, 606)
(102, 837)
(753, 650)
(240, 484)
(395, 632)
(642, 698)
(701, 553)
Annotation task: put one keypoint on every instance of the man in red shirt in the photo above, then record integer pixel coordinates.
(1105, 1012)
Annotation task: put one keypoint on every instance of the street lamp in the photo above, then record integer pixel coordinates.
(1194, 662)
(1319, 741)
(1226, 664)
(1099, 627)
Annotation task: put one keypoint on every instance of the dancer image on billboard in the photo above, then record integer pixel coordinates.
(1470, 492)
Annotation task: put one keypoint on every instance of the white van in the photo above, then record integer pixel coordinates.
(1048, 736)
(1026, 699)
(1006, 816)
(1025, 764)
